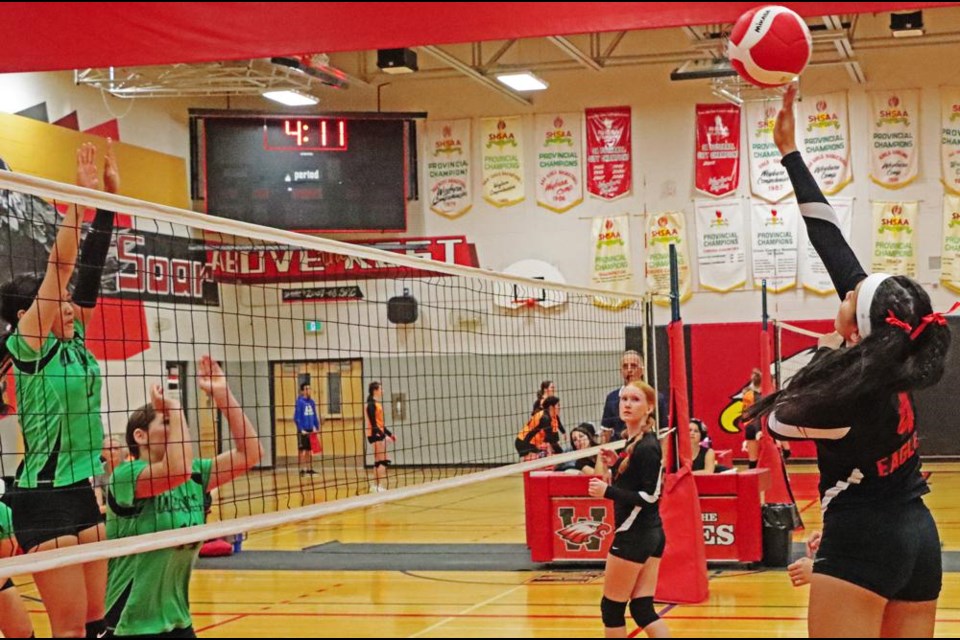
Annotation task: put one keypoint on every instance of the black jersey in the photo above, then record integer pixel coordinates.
(636, 491)
(867, 450)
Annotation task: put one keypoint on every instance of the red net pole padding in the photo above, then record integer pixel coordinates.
(683, 570)
(769, 456)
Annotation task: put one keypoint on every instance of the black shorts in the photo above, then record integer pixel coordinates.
(45, 513)
(750, 431)
(379, 437)
(303, 441)
(892, 551)
(639, 545)
(525, 448)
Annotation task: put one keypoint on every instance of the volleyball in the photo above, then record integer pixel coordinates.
(770, 46)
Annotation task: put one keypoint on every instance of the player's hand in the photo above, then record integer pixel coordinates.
(784, 130)
(597, 488)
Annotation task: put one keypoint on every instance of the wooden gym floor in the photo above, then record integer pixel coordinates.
(443, 604)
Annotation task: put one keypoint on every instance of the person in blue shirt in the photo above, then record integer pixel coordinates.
(307, 421)
(631, 369)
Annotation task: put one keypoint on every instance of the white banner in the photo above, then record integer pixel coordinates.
(950, 257)
(610, 239)
(768, 178)
(894, 137)
(895, 238)
(813, 273)
(775, 234)
(449, 176)
(823, 130)
(721, 244)
(950, 137)
(664, 229)
(559, 161)
(501, 150)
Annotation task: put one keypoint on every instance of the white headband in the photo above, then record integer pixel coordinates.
(865, 300)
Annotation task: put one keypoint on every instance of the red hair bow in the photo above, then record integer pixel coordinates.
(927, 320)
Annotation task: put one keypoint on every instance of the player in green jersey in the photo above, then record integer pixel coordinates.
(58, 404)
(162, 489)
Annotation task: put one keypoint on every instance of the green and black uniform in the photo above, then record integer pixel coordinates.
(58, 402)
(6, 531)
(149, 593)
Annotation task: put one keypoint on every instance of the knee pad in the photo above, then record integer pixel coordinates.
(642, 611)
(613, 613)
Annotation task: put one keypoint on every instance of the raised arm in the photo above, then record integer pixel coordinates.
(174, 469)
(246, 451)
(823, 225)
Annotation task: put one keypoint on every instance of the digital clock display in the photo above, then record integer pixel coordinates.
(305, 134)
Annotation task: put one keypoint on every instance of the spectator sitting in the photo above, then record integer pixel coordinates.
(704, 458)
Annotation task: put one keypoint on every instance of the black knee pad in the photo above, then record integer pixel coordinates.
(613, 613)
(642, 611)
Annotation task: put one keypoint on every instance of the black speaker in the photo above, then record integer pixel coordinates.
(633, 338)
(397, 60)
(402, 309)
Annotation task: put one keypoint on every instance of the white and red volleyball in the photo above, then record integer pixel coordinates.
(770, 46)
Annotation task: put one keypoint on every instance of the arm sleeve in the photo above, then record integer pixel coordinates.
(823, 227)
(93, 255)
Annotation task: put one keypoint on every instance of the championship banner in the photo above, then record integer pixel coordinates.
(501, 150)
(774, 229)
(718, 149)
(449, 178)
(611, 260)
(664, 229)
(824, 132)
(813, 273)
(950, 257)
(768, 178)
(895, 238)
(894, 137)
(609, 154)
(721, 244)
(559, 163)
(950, 137)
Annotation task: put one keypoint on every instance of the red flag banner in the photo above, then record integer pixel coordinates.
(718, 149)
(609, 159)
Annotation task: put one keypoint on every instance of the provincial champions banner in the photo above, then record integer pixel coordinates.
(721, 244)
(664, 229)
(559, 161)
(813, 273)
(823, 130)
(449, 177)
(950, 258)
(610, 238)
(950, 137)
(768, 178)
(501, 150)
(895, 238)
(774, 229)
(894, 137)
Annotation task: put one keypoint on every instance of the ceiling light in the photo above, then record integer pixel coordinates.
(291, 98)
(524, 81)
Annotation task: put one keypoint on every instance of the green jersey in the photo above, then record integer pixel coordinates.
(58, 403)
(149, 593)
(6, 522)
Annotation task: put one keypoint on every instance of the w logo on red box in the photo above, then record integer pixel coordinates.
(583, 532)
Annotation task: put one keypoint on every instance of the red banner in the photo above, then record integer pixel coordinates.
(286, 264)
(718, 149)
(609, 161)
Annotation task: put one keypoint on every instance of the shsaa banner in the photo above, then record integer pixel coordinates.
(664, 229)
(609, 149)
(721, 244)
(717, 158)
(559, 161)
(894, 137)
(774, 229)
(895, 238)
(501, 150)
(813, 273)
(449, 183)
(950, 258)
(610, 239)
(823, 130)
(768, 178)
(950, 137)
